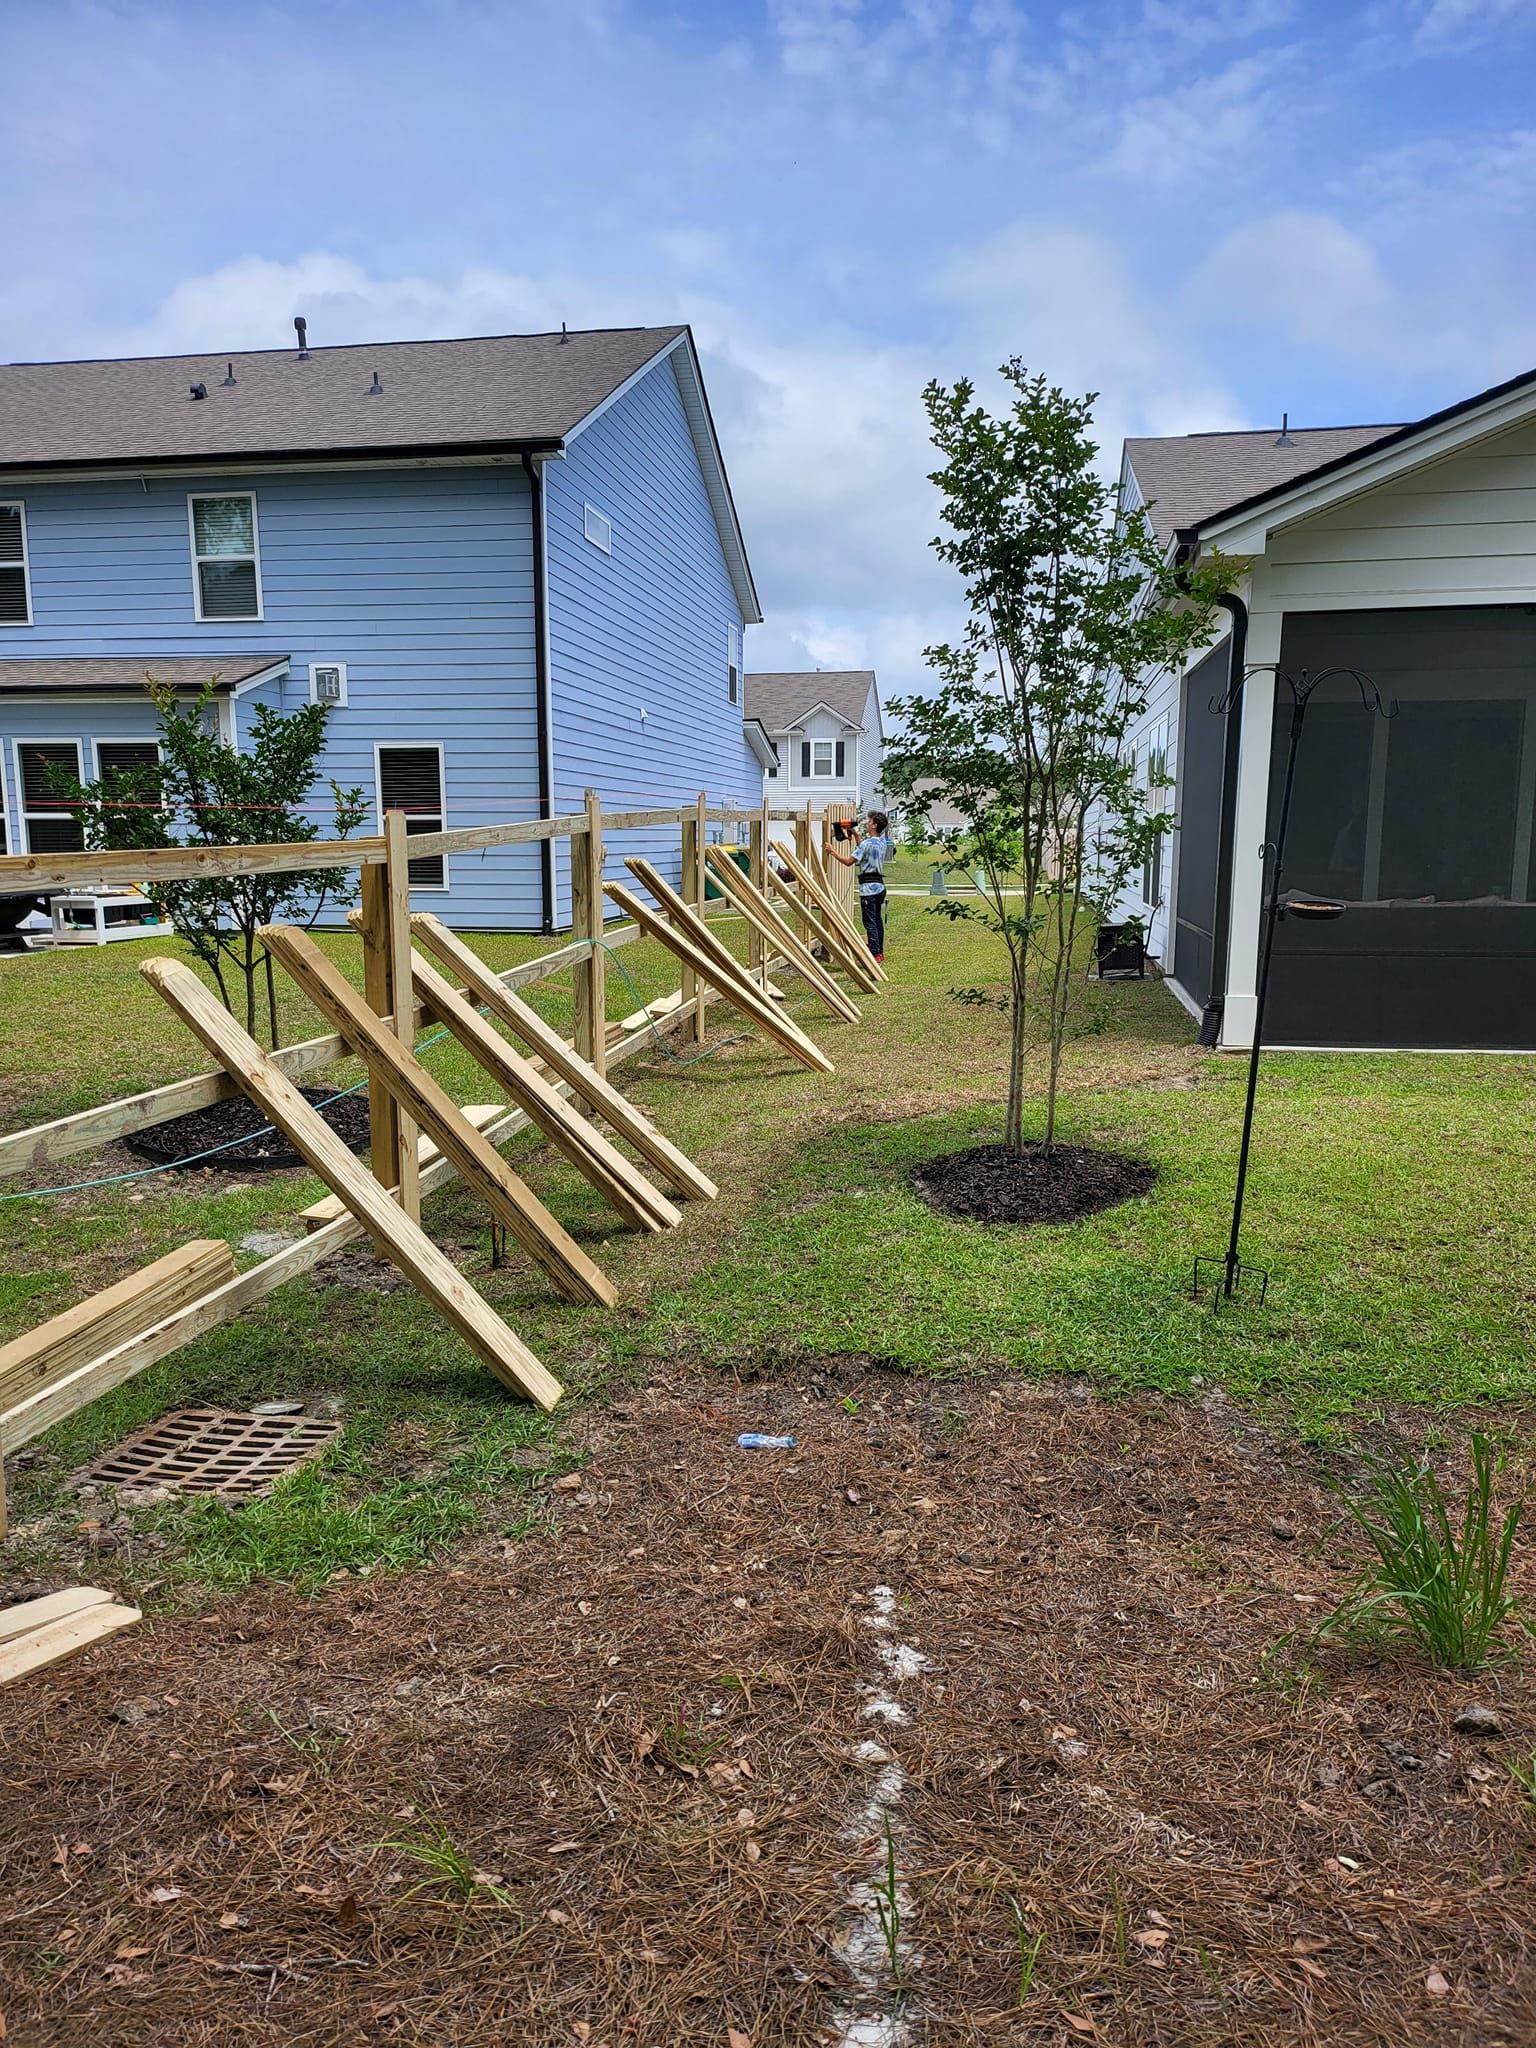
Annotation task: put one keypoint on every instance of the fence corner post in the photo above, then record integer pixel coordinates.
(757, 855)
(390, 992)
(590, 1019)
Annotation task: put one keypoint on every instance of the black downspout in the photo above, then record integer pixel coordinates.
(1226, 829)
(535, 478)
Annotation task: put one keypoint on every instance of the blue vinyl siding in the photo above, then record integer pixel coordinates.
(61, 717)
(419, 580)
(645, 626)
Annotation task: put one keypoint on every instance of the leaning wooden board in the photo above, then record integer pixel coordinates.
(406, 1242)
(765, 920)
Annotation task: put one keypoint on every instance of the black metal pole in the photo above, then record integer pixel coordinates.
(1274, 854)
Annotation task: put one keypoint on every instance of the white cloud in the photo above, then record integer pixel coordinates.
(1451, 24)
(1169, 138)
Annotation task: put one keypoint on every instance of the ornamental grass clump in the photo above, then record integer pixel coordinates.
(1441, 1574)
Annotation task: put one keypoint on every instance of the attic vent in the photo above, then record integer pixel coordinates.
(328, 682)
(598, 528)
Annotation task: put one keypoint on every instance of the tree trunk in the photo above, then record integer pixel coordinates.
(1013, 1129)
(271, 998)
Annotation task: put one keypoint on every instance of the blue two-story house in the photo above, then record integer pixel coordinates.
(512, 565)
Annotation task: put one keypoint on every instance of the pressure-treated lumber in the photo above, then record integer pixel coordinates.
(38, 1647)
(28, 1615)
(617, 1179)
(23, 873)
(827, 925)
(683, 913)
(481, 1114)
(409, 1246)
(115, 1314)
(510, 1200)
(589, 990)
(593, 1088)
(770, 929)
(739, 993)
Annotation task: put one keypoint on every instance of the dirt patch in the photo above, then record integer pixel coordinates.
(993, 1184)
(649, 1723)
(229, 1130)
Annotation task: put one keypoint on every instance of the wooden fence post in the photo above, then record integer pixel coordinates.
(591, 1004)
(692, 891)
(757, 853)
(386, 927)
(803, 927)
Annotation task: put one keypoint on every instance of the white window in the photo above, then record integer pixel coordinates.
(410, 779)
(823, 757)
(15, 583)
(733, 664)
(1156, 774)
(328, 683)
(49, 822)
(226, 557)
(598, 528)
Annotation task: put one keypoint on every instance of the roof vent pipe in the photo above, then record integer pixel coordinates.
(375, 389)
(1283, 438)
(301, 329)
(199, 390)
(229, 375)
(563, 335)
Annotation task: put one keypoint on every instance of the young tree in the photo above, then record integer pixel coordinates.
(204, 793)
(1071, 613)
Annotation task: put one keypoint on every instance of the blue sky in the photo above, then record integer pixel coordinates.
(1208, 210)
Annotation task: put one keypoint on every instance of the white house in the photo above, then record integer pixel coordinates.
(826, 730)
(1407, 553)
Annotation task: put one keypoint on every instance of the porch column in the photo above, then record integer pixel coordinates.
(1251, 824)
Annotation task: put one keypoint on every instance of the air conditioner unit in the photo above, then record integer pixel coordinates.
(328, 683)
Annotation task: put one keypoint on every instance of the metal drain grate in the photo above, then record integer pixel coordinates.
(205, 1450)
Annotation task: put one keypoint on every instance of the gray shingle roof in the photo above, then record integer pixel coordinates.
(779, 697)
(1188, 478)
(129, 671)
(506, 389)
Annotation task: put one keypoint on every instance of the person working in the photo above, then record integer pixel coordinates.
(869, 858)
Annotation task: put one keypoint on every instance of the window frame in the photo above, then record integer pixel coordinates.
(382, 747)
(195, 498)
(24, 815)
(829, 774)
(19, 505)
(341, 669)
(588, 514)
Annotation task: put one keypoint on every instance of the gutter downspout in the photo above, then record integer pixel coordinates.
(1226, 828)
(542, 697)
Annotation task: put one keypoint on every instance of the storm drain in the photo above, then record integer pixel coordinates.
(205, 1450)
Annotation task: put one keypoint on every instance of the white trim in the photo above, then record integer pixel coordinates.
(5, 808)
(1247, 533)
(272, 673)
(341, 669)
(38, 739)
(419, 747)
(1182, 996)
(20, 625)
(821, 704)
(623, 390)
(245, 618)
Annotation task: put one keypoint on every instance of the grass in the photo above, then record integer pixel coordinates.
(447, 1868)
(1390, 1197)
(1443, 1584)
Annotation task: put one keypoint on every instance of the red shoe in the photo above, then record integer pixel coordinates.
(881, 958)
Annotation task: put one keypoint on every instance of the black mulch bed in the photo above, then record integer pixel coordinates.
(237, 1118)
(991, 1184)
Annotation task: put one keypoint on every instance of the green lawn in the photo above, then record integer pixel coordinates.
(1391, 1198)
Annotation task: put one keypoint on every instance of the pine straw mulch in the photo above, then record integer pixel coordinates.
(640, 1723)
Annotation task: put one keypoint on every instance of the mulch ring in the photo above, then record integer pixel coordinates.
(219, 1130)
(995, 1184)
(647, 1725)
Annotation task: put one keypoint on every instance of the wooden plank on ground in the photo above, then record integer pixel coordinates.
(484, 1172)
(563, 1060)
(617, 1179)
(857, 959)
(740, 994)
(481, 1114)
(772, 930)
(409, 1246)
(94, 1325)
(63, 1638)
(28, 1615)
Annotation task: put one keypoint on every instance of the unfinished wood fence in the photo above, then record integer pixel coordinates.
(418, 1136)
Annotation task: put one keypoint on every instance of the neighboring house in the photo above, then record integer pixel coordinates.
(826, 733)
(512, 564)
(1409, 553)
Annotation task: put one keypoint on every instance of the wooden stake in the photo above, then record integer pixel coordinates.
(679, 1172)
(738, 992)
(591, 1006)
(769, 930)
(480, 1166)
(409, 1246)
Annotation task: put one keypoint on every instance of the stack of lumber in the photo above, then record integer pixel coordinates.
(39, 1632)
